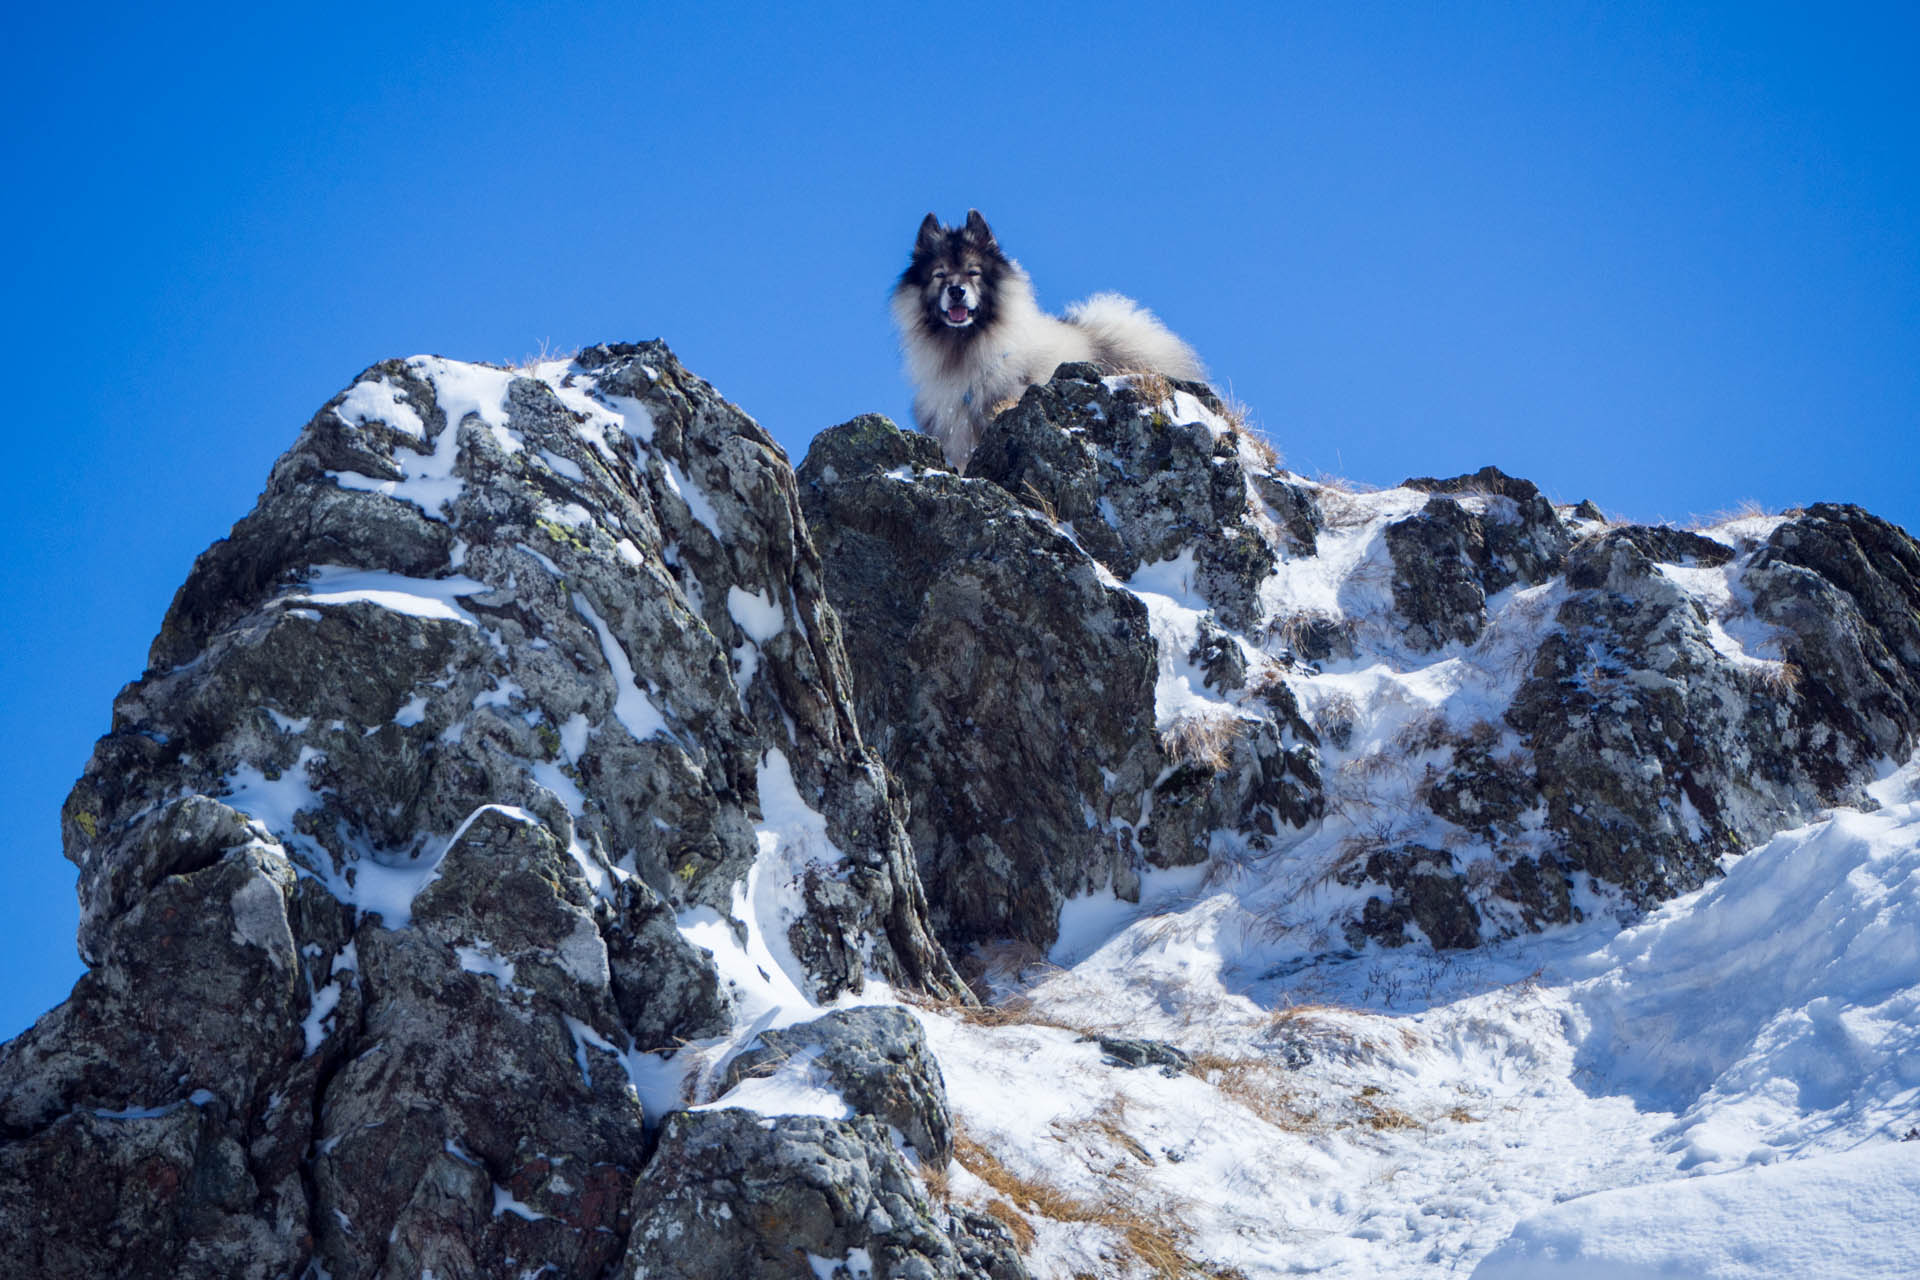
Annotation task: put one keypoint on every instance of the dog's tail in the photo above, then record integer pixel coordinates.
(1128, 336)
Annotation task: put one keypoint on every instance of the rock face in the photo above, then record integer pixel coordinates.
(507, 742)
(1023, 695)
(1682, 697)
(465, 884)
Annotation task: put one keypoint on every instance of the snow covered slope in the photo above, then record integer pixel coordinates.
(1579, 1101)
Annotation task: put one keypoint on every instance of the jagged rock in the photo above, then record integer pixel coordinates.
(1133, 1053)
(874, 1058)
(388, 862)
(1425, 892)
(1654, 753)
(1010, 682)
(756, 1197)
(1140, 469)
(1451, 556)
(1009, 688)
(1844, 586)
(511, 743)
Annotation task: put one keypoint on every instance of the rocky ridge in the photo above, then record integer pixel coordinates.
(468, 882)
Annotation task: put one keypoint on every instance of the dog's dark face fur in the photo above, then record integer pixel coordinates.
(955, 273)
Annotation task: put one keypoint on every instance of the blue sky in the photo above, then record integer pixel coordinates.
(1665, 257)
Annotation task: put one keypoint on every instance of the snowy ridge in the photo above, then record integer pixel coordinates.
(1373, 1113)
(1399, 1114)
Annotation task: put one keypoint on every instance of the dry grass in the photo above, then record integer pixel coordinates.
(1745, 509)
(1259, 1085)
(1342, 508)
(1151, 1239)
(1015, 1012)
(1334, 717)
(547, 354)
(1203, 738)
(1378, 1115)
(1779, 679)
(1293, 630)
(1151, 388)
(1239, 416)
(1041, 503)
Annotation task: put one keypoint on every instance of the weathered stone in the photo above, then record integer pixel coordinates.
(1009, 688)
(1449, 558)
(1009, 682)
(1423, 891)
(1142, 469)
(383, 862)
(734, 1193)
(1133, 1053)
(877, 1060)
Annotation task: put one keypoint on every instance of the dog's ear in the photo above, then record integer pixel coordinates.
(931, 234)
(977, 229)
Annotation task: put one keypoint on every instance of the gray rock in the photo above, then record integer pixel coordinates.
(382, 859)
(1654, 754)
(877, 1060)
(1133, 1053)
(1448, 558)
(1008, 681)
(734, 1193)
(1009, 688)
(1424, 890)
(1108, 457)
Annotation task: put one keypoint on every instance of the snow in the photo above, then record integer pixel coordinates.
(799, 1086)
(757, 614)
(483, 959)
(631, 707)
(1719, 1090)
(462, 389)
(314, 1025)
(749, 946)
(503, 1202)
(427, 480)
(379, 401)
(1174, 611)
(1824, 1218)
(696, 499)
(1707, 1094)
(858, 1264)
(332, 584)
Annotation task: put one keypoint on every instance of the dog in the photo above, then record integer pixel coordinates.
(974, 337)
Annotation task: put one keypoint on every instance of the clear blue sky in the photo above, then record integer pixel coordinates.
(1666, 257)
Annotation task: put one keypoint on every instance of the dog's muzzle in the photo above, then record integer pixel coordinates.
(957, 312)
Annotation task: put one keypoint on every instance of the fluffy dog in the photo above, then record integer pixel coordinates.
(975, 338)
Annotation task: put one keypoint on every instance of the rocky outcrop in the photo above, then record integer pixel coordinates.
(1012, 681)
(507, 742)
(1655, 750)
(876, 1060)
(465, 884)
(736, 1196)
(1477, 536)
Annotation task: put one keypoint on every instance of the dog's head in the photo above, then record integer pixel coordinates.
(954, 273)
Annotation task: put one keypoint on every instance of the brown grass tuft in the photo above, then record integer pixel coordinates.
(1745, 509)
(1779, 679)
(1041, 503)
(1262, 1087)
(545, 355)
(1151, 387)
(1152, 1240)
(1201, 738)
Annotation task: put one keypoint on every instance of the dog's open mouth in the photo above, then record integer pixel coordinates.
(958, 316)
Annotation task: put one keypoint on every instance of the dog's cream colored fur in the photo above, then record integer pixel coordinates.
(959, 386)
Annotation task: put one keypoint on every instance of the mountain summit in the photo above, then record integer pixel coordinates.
(554, 837)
